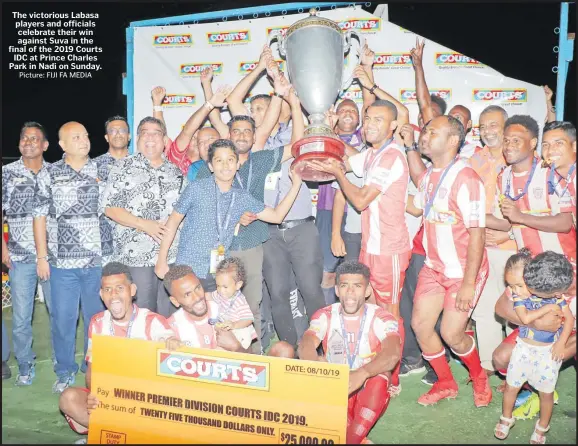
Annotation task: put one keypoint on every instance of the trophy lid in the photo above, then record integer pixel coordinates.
(313, 20)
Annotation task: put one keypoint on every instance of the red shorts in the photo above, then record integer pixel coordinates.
(79, 429)
(386, 274)
(431, 284)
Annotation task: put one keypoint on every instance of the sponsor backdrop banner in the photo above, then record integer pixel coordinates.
(150, 395)
(174, 56)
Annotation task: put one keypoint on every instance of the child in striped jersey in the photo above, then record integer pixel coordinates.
(234, 311)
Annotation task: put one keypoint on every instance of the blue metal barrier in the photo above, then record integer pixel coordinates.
(565, 56)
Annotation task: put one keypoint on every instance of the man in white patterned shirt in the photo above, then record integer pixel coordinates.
(139, 197)
(19, 255)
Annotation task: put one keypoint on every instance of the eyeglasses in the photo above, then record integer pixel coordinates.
(118, 131)
(155, 134)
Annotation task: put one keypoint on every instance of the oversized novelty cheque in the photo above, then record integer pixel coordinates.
(148, 394)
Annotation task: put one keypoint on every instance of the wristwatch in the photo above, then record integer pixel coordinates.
(278, 95)
(158, 108)
(413, 148)
(372, 89)
(511, 235)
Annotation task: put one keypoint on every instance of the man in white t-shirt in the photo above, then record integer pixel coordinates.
(122, 318)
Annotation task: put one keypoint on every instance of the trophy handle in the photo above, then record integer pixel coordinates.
(278, 36)
(347, 46)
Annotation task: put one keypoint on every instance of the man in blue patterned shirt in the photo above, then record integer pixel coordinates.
(71, 239)
(117, 135)
(18, 185)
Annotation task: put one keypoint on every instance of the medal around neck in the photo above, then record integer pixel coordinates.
(314, 48)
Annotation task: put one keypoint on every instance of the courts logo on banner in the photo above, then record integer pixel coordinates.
(392, 61)
(195, 69)
(231, 372)
(179, 100)
(172, 40)
(506, 96)
(354, 93)
(283, 30)
(456, 60)
(363, 25)
(247, 67)
(407, 95)
(228, 37)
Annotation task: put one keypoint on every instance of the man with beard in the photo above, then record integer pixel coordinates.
(257, 172)
(139, 197)
(488, 162)
(19, 181)
(117, 135)
(365, 337)
(195, 321)
(72, 241)
(122, 318)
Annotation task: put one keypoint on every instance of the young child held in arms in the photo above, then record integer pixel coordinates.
(537, 286)
(234, 311)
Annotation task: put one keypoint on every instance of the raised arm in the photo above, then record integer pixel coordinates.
(414, 159)
(366, 61)
(298, 124)
(197, 118)
(422, 92)
(235, 99)
(214, 115)
(337, 243)
(550, 109)
(281, 86)
(157, 96)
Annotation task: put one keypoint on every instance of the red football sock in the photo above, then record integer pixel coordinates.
(440, 365)
(395, 374)
(371, 404)
(472, 361)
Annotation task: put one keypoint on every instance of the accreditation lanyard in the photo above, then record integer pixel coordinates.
(369, 165)
(129, 328)
(430, 200)
(552, 187)
(525, 191)
(223, 223)
(350, 358)
(249, 178)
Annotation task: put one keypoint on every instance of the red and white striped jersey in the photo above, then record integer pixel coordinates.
(458, 206)
(378, 325)
(537, 202)
(193, 333)
(146, 325)
(234, 309)
(383, 227)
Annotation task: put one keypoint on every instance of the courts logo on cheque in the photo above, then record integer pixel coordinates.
(172, 40)
(179, 100)
(456, 60)
(363, 25)
(409, 95)
(504, 95)
(229, 37)
(195, 69)
(230, 372)
(247, 67)
(392, 61)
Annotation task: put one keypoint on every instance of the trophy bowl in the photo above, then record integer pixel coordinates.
(314, 48)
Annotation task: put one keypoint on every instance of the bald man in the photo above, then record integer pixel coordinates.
(72, 251)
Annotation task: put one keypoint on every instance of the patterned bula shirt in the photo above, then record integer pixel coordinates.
(146, 192)
(18, 188)
(77, 233)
